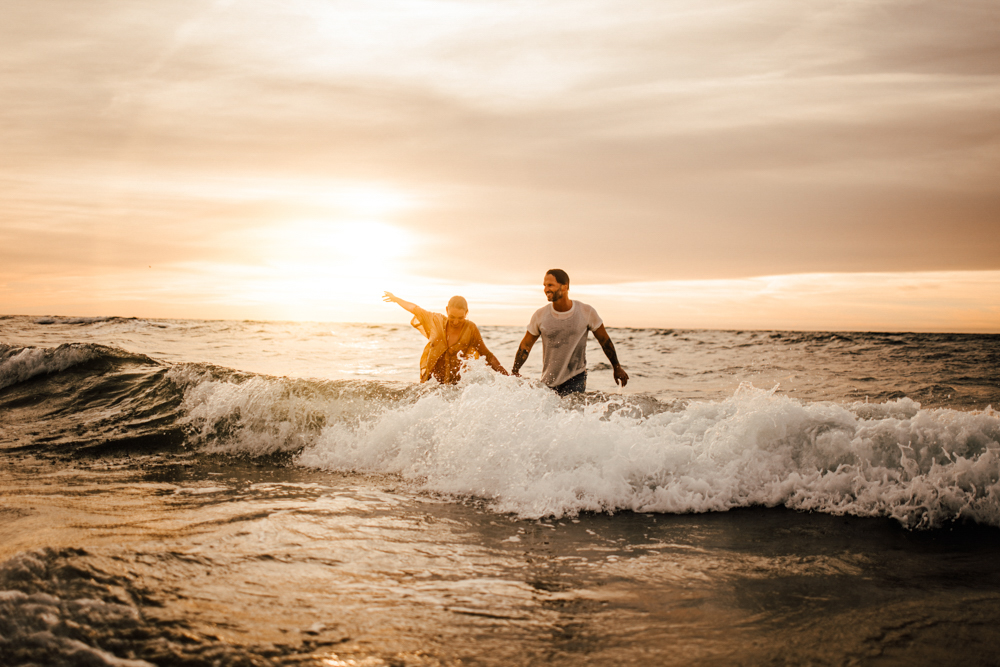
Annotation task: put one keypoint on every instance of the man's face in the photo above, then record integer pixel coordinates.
(553, 290)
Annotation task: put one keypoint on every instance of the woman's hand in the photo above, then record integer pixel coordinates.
(403, 303)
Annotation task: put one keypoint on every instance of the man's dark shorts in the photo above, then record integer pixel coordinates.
(574, 385)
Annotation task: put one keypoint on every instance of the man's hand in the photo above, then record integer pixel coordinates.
(621, 377)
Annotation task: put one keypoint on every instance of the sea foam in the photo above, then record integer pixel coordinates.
(532, 454)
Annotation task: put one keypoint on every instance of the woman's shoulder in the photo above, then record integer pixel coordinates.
(428, 314)
(428, 323)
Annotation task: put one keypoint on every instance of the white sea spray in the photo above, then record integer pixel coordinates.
(698, 446)
(534, 455)
(261, 415)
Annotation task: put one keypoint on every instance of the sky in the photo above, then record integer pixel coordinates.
(776, 164)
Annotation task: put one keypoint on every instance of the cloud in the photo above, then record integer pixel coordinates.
(637, 141)
(922, 301)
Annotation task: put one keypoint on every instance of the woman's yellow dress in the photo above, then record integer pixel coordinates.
(440, 360)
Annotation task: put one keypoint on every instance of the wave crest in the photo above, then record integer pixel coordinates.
(18, 364)
(533, 455)
(528, 452)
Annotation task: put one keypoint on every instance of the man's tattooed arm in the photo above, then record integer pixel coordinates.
(522, 352)
(609, 350)
(519, 359)
(621, 377)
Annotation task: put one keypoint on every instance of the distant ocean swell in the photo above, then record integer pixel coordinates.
(519, 447)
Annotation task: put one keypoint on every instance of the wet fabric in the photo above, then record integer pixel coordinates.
(439, 360)
(564, 340)
(575, 385)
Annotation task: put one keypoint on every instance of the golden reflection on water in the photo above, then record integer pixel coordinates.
(349, 570)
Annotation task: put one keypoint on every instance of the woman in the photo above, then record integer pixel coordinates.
(450, 340)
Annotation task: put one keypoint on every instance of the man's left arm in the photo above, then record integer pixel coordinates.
(601, 334)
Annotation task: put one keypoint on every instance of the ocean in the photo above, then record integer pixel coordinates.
(182, 492)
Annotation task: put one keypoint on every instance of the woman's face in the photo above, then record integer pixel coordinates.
(456, 313)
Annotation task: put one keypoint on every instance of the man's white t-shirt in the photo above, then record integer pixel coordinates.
(564, 340)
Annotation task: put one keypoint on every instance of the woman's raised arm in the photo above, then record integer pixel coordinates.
(405, 305)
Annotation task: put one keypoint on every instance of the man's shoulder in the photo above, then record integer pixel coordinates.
(541, 311)
(590, 315)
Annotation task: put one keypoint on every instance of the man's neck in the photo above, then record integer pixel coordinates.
(562, 305)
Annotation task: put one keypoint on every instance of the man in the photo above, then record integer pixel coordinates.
(563, 326)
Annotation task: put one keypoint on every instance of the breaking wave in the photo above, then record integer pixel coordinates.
(18, 364)
(530, 453)
(519, 447)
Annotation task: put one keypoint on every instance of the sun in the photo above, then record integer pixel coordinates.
(323, 264)
(333, 263)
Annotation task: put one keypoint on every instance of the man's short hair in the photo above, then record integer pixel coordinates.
(458, 302)
(561, 276)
